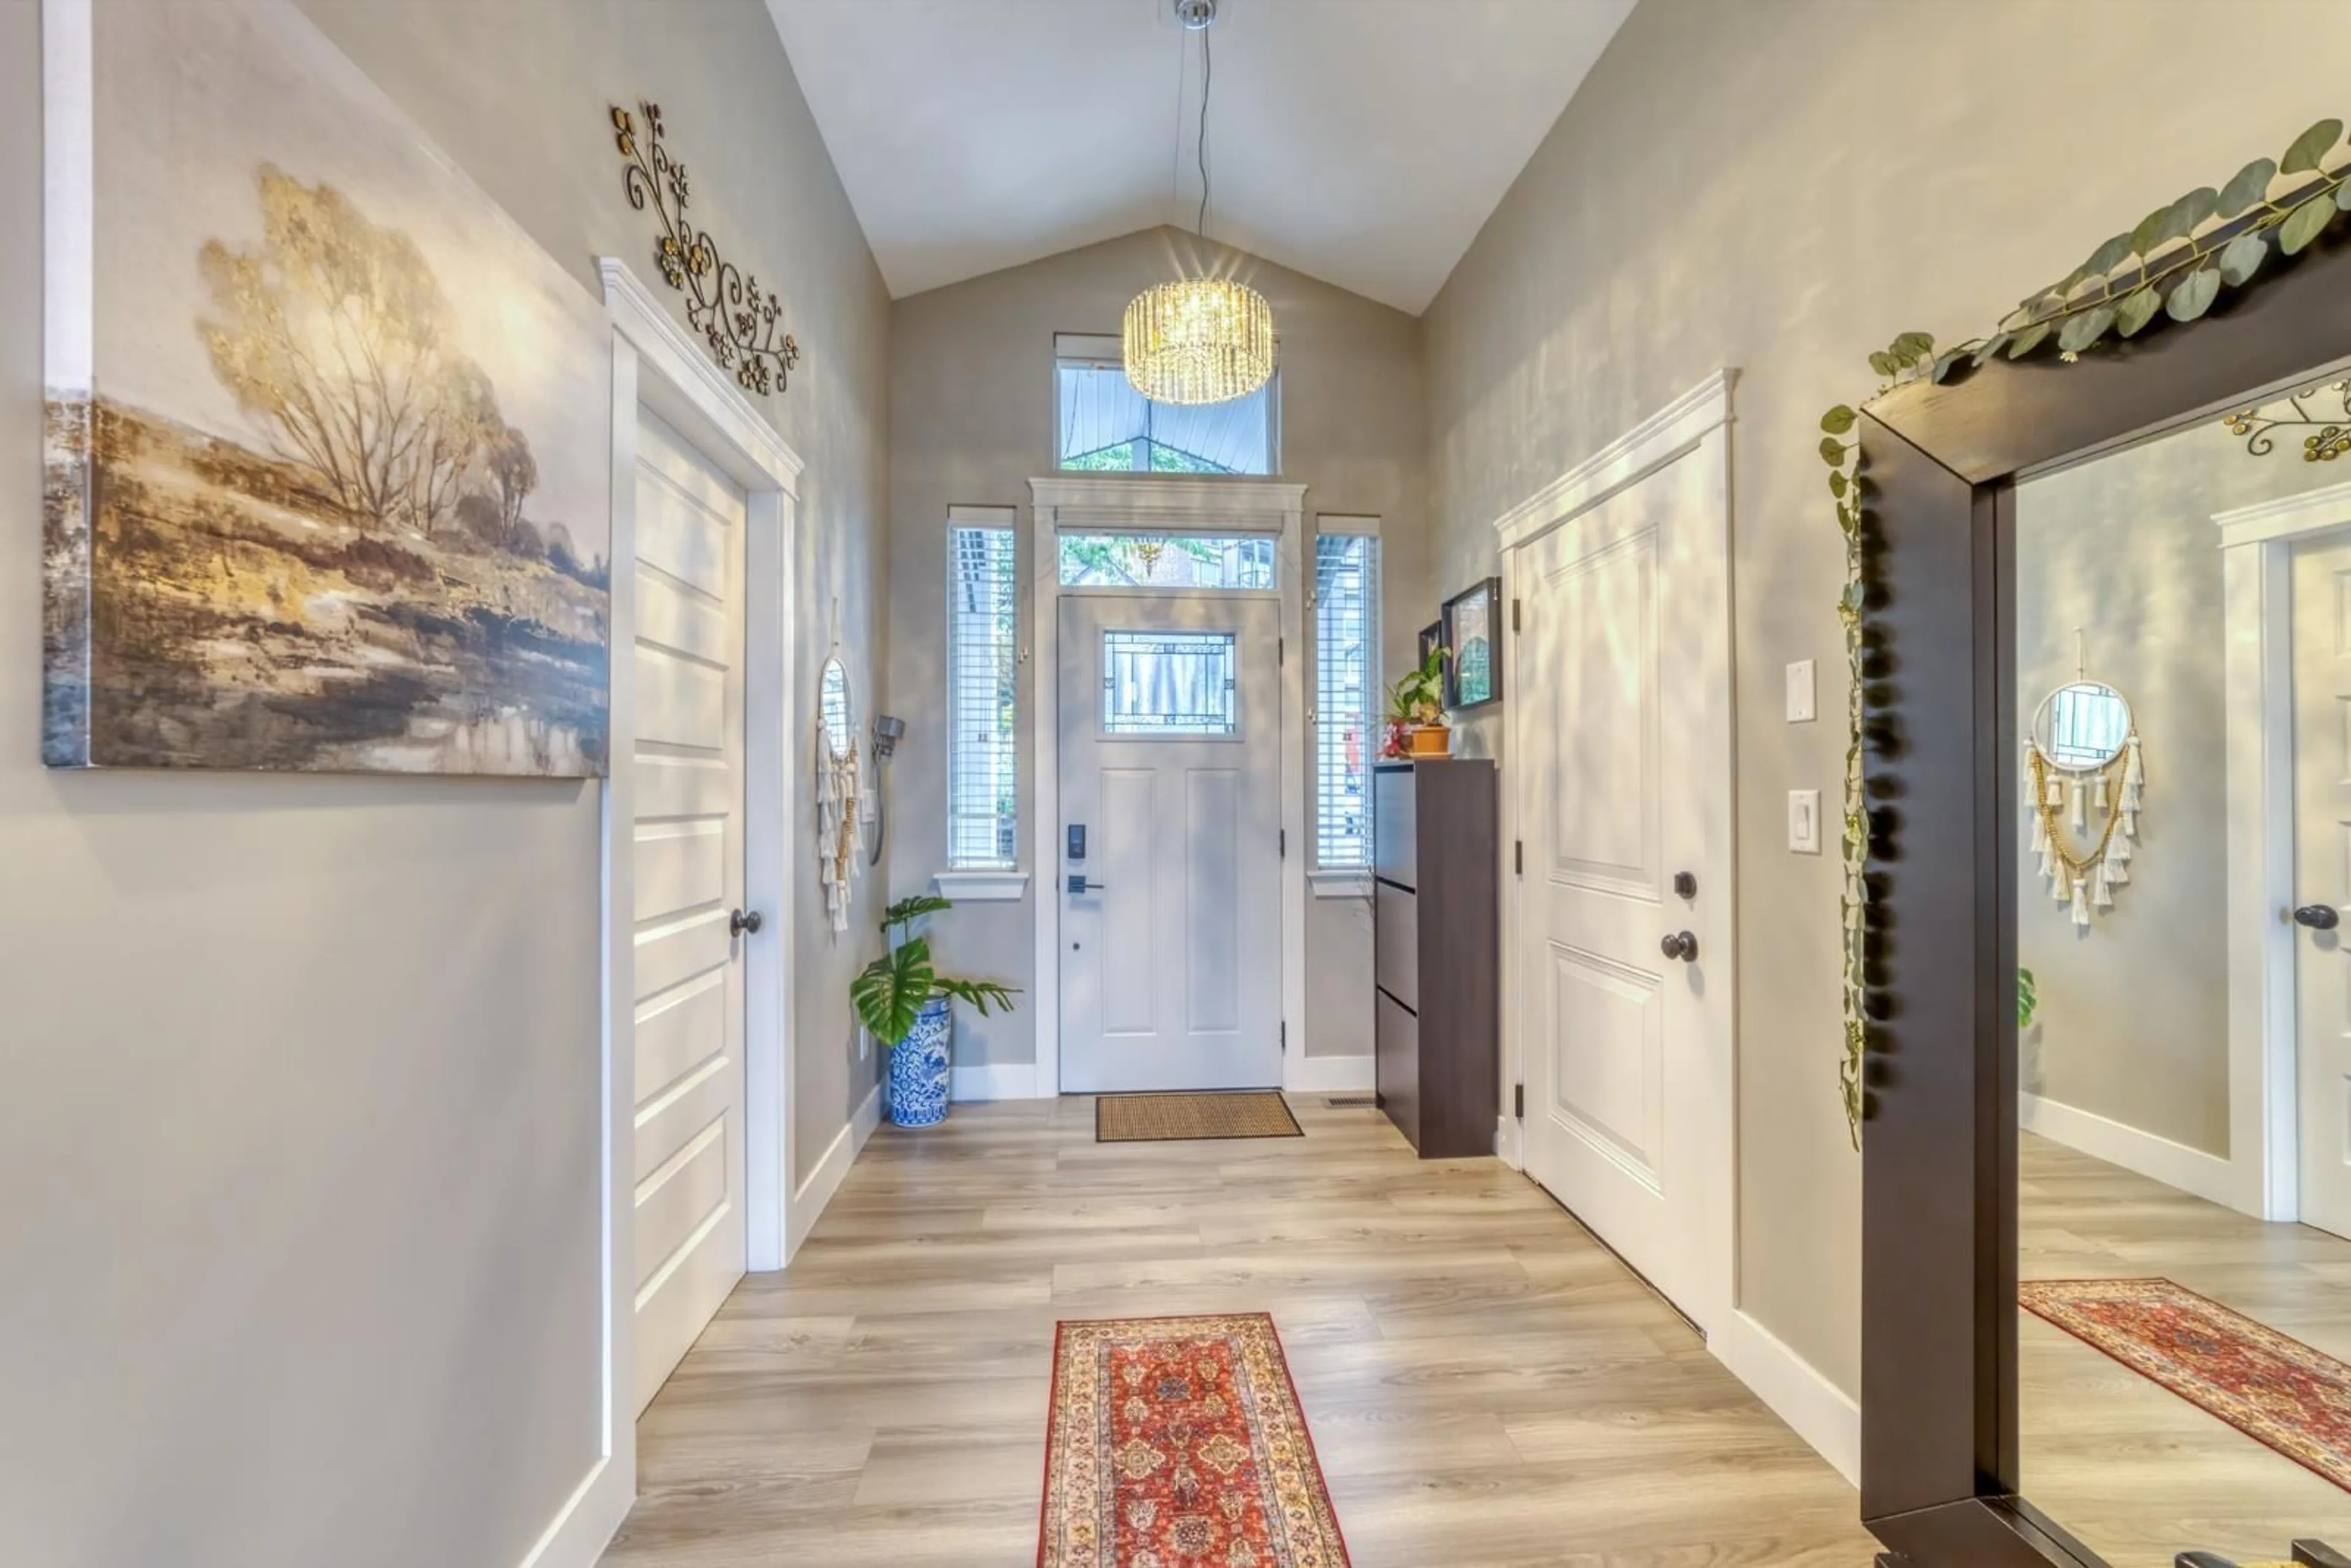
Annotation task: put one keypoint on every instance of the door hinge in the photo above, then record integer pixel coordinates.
(1518, 1101)
(1514, 614)
(1281, 839)
(1285, 1034)
(1280, 651)
(1519, 856)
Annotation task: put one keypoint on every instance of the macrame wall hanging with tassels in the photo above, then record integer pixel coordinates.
(2085, 785)
(842, 801)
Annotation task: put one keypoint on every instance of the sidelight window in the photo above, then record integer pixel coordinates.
(982, 632)
(1346, 693)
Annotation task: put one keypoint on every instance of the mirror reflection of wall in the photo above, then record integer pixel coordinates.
(2174, 1348)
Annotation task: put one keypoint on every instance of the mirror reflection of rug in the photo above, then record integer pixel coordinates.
(1180, 1440)
(2275, 1390)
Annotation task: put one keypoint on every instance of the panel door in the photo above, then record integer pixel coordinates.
(1625, 1048)
(1170, 761)
(2322, 789)
(688, 763)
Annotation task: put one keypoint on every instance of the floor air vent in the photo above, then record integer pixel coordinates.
(1347, 1100)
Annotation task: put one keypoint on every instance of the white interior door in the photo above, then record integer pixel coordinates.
(1620, 745)
(1171, 766)
(2322, 792)
(690, 1236)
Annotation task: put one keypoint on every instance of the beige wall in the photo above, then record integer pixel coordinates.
(2134, 1018)
(972, 421)
(1782, 187)
(302, 1097)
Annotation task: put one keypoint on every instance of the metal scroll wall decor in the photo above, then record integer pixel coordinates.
(2172, 265)
(723, 303)
(2324, 411)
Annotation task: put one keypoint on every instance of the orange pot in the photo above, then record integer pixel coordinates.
(1432, 741)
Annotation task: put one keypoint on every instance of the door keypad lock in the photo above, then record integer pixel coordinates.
(1077, 840)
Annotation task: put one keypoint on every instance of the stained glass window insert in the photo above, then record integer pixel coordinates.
(1165, 683)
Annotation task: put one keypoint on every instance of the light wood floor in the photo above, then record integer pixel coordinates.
(2133, 1469)
(1487, 1388)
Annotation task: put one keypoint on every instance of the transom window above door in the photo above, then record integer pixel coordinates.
(1168, 684)
(1104, 425)
(1233, 562)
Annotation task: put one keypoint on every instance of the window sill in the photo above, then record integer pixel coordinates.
(1340, 883)
(982, 886)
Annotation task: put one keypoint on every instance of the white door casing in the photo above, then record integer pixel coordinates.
(690, 1245)
(1170, 967)
(2321, 773)
(1168, 504)
(1622, 777)
(658, 365)
(2267, 1101)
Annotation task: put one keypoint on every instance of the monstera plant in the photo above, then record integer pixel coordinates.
(907, 1004)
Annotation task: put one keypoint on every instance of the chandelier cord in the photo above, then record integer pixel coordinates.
(1207, 80)
(1176, 157)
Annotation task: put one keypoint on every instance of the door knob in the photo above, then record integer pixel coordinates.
(745, 922)
(1077, 884)
(1681, 945)
(2318, 917)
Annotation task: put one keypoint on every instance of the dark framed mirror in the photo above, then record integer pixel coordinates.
(1949, 467)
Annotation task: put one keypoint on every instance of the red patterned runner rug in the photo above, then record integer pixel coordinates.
(1179, 1443)
(2276, 1390)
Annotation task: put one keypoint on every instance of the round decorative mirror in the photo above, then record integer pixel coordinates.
(832, 708)
(2082, 726)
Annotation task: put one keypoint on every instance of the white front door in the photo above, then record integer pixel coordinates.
(1171, 771)
(2322, 802)
(688, 775)
(1620, 741)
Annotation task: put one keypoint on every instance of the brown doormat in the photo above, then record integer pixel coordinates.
(1166, 1118)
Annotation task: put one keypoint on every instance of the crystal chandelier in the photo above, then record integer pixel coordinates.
(1198, 340)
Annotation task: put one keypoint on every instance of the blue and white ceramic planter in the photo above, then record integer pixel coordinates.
(918, 1068)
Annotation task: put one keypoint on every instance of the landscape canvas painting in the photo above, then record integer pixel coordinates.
(327, 437)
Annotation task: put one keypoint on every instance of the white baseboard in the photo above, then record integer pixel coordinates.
(589, 1519)
(2156, 1159)
(1327, 1075)
(1817, 1410)
(808, 1203)
(1509, 1142)
(995, 1081)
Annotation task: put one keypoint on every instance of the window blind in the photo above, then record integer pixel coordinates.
(1346, 696)
(982, 632)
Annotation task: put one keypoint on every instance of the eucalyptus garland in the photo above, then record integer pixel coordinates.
(2174, 264)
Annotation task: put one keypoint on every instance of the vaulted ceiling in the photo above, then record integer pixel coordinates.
(1362, 141)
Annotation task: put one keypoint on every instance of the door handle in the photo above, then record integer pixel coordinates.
(2318, 917)
(745, 922)
(1681, 945)
(1077, 884)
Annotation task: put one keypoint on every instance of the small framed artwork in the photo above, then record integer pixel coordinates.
(1472, 631)
(1431, 636)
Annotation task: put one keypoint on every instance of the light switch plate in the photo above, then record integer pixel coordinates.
(1802, 703)
(1805, 822)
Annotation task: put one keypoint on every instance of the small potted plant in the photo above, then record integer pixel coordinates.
(909, 1007)
(1416, 710)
